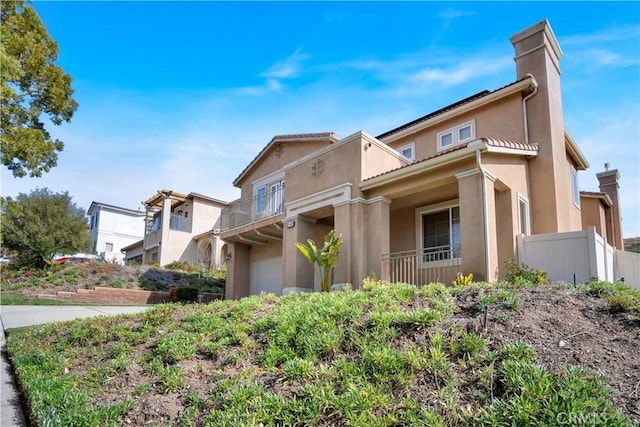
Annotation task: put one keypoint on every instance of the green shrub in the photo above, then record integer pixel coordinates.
(522, 275)
(621, 298)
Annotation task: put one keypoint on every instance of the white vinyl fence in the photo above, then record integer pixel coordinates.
(628, 268)
(578, 256)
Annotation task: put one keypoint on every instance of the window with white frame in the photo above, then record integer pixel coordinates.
(408, 151)
(524, 222)
(108, 247)
(459, 134)
(575, 187)
(269, 195)
(438, 232)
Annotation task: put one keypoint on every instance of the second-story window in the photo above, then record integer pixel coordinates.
(408, 151)
(459, 134)
(268, 195)
(261, 199)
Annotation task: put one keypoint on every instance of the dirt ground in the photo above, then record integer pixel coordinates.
(565, 326)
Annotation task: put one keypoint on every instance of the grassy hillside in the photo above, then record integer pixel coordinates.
(386, 355)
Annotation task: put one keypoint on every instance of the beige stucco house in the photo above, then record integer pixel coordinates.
(180, 227)
(445, 193)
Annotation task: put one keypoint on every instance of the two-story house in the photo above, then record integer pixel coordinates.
(113, 228)
(180, 227)
(445, 193)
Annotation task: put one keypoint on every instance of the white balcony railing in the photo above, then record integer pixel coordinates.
(246, 211)
(421, 267)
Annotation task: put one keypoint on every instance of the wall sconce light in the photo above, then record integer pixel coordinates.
(227, 257)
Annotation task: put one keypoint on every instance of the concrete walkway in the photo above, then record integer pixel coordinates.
(17, 316)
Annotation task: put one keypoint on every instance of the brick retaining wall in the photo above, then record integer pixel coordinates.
(121, 296)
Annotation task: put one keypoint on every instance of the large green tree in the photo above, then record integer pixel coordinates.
(39, 225)
(32, 88)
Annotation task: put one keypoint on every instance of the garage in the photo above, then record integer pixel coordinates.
(266, 276)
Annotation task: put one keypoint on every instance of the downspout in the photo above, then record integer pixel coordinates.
(485, 217)
(525, 119)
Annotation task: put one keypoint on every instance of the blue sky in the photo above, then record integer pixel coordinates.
(183, 95)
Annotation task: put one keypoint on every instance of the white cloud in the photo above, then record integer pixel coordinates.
(453, 13)
(287, 68)
(631, 32)
(463, 72)
(596, 58)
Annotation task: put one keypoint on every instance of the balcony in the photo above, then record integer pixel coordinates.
(421, 267)
(180, 223)
(247, 211)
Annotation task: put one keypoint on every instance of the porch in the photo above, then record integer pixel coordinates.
(421, 267)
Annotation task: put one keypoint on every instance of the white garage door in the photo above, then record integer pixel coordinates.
(266, 276)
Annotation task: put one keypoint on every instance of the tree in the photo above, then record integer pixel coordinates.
(42, 224)
(323, 259)
(32, 87)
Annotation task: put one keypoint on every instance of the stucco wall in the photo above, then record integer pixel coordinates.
(271, 161)
(502, 119)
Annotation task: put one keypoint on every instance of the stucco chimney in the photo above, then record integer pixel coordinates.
(609, 185)
(552, 206)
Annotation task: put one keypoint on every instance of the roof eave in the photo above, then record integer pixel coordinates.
(574, 151)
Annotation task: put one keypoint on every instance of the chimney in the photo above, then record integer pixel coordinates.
(552, 207)
(609, 185)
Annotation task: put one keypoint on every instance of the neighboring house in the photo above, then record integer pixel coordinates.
(180, 227)
(112, 228)
(445, 193)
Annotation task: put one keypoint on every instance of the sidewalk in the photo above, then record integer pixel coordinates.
(17, 316)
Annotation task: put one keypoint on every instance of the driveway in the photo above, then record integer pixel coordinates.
(17, 316)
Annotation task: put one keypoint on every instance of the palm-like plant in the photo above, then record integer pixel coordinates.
(323, 259)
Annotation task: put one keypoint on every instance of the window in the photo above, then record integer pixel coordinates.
(268, 195)
(94, 221)
(108, 247)
(457, 135)
(261, 199)
(464, 133)
(446, 139)
(574, 184)
(276, 197)
(408, 151)
(439, 232)
(523, 216)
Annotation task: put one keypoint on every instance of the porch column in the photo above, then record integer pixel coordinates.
(378, 237)
(164, 233)
(297, 273)
(344, 225)
(478, 224)
(238, 271)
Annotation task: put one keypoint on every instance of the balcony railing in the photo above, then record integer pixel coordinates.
(246, 211)
(180, 223)
(421, 267)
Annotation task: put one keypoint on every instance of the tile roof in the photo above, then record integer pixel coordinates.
(493, 142)
(457, 104)
(303, 136)
(501, 143)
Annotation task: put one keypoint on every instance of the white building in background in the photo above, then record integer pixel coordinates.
(112, 228)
